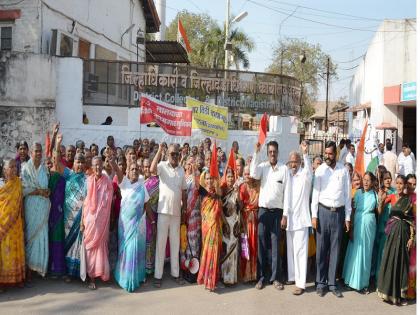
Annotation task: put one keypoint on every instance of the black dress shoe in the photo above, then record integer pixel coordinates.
(337, 293)
(321, 292)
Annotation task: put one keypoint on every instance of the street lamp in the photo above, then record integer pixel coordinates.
(238, 18)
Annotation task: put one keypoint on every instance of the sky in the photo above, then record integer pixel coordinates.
(343, 29)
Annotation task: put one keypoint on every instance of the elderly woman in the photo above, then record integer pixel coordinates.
(12, 246)
(35, 177)
(130, 270)
(249, 192)
(211, 231)
(231, 230)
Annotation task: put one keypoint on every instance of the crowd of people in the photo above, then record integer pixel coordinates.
(78, 212)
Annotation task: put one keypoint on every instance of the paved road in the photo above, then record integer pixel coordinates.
(56, 297)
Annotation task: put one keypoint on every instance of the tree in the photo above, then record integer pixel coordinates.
(207, 41)
(287, 61)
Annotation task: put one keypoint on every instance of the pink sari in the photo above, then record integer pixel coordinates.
(96, 217)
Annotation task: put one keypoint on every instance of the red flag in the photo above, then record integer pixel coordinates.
(47, 145)
(182, 37)
(263, 129)
(359, 165)
(230, 164)
(214, 169)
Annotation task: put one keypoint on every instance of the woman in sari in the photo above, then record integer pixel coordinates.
(74, 195)
(12, 246)
(130, 270)
(192, 215)
(231, 230)
(211, 231)
(393, 273)
(22, 155)
(382, 219)
(411, 191)
(248, 194)
(357, 264)
(37, 204)
(152, 186)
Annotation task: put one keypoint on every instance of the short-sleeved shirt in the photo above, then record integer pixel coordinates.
(127, 188)
(171, 184)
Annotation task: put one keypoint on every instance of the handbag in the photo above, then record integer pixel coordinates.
(244, 246)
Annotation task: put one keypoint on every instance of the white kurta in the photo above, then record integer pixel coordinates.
(296, 209)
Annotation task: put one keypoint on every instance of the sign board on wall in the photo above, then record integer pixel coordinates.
(408, 91)
(115, 83)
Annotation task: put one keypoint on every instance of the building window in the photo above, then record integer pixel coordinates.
(66, 46)
(6, 38)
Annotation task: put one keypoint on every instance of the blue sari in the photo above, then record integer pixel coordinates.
(37, 210)
(75, 194)
(131, 265)
(357, 264)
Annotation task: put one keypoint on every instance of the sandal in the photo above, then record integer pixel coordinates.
(179, 280)
(157, 283)
(259, 285)
(278, 285)
(92, 286)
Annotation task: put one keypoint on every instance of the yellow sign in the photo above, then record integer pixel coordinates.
(211, 119)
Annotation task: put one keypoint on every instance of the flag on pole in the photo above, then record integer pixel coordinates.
(373, 165)
(214, 169)
(182, 37)
(359, 165)
(47, 145)
(263, 129)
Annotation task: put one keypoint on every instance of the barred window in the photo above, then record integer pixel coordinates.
(6, 38)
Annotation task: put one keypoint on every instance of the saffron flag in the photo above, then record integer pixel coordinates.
(263, 129)
(182, 37)
(359, 165)
(47, 145)
(214, 169)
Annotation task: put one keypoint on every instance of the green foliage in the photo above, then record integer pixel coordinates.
(286, 60)
(207, 40)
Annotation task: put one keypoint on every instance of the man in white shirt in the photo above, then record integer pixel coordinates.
(172, 186)
(406, 161)
(344, 151)
(351, 156)
(390, 161)
(331, 209)
(273, 176)
(297, 217)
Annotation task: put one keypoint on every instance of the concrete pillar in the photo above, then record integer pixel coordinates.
(161, 10)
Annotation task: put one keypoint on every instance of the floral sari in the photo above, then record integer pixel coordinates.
(12, 246)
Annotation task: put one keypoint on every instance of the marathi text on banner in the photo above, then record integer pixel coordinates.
(211, 119)
(174, 120)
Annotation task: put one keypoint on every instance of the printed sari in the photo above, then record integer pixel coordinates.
(75, 194)
(152, 186)
(130, 270)
(249, 197)
(411, 292)
(57, 186)
(96, 217)
(37, 210)
(393, 273)
(211, 230)
(12, 246)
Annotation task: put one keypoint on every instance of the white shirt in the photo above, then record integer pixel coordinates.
(332, 188)
(350, 159)
(390, 161)
(171, 184)
(343, 154)
(273, 181)
(407, 165)
(296, 198)
(127, 188)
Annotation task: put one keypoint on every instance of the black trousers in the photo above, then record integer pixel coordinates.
(269, 260)
(328, 240)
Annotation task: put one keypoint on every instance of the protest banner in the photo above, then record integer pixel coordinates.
(211, 119)
(174, 120)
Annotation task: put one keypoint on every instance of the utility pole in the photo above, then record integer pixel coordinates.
(227, 34)
(326, 96)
